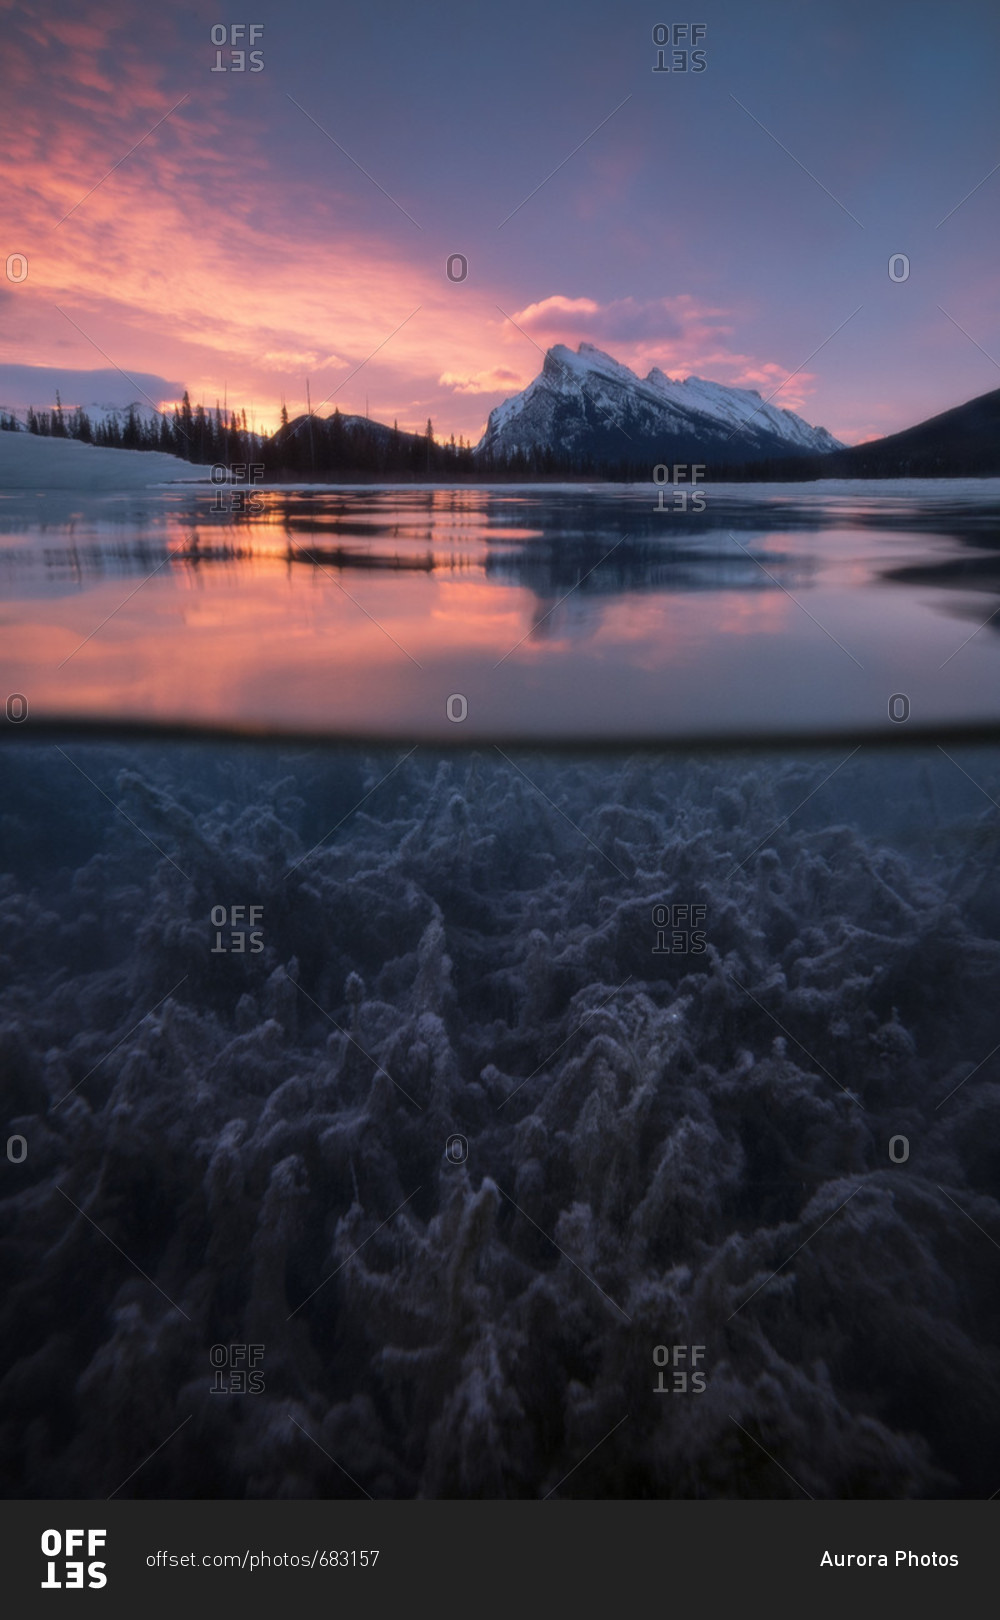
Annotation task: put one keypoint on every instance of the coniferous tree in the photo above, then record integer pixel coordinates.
(187, 422)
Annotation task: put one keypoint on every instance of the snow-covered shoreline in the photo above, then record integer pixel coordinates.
(31, 461)
(35, 462)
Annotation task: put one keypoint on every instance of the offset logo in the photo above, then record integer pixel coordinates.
(229, 918)
(238, 34)
(683, 1382)
(63, 1550)
(235, 1369)
(683, 923)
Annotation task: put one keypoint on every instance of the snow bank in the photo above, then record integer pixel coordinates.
(31, 461)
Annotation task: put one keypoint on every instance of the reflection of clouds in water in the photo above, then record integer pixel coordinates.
(487, 950)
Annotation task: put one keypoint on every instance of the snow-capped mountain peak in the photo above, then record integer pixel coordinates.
(587, 406)
(586, 360)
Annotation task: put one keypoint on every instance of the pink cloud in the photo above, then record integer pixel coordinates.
(679, 334)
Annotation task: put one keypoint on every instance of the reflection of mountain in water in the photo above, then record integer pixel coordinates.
(602, 567)
(980, 574)
(570, 516)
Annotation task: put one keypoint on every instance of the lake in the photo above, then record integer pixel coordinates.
(489, 1095)
(544, 613)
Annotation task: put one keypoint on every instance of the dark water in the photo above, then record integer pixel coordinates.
(596, 1126)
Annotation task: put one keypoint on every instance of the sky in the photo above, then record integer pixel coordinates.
(242, 233)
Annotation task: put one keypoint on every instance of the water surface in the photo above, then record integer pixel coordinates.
(537, 612)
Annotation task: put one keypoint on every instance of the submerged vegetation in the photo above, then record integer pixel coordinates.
(476, 1131)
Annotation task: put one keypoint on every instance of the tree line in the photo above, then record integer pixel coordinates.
(191, 432)
(336, 447)
(343, 448)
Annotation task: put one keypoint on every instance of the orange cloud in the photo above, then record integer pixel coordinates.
(494, 380)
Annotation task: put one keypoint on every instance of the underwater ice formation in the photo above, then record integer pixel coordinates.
(663, 1147)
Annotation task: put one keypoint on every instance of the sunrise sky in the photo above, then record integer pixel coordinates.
(241, 249)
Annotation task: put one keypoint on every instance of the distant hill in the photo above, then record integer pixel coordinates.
(353, 428)
(343, 446)
(961, 443)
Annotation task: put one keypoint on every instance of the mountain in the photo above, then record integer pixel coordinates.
(99, 414)
(342, 446)
(585, 409)
(961, 443)
(352, 428)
